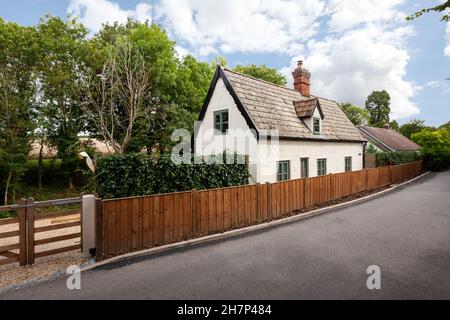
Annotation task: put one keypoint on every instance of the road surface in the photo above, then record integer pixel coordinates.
(406, 233)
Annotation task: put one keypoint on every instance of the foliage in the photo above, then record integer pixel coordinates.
(62, 48)
(358, 116)
(138, 174)
(262, 72)
(394, 125)
(444, 6)
(413, 126)
(18, 55)
(378, 105)
(435, 148)
(432, 139)
(395, 158)
(436, 159)
(371, 149)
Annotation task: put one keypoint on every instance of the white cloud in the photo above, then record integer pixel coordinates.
(351, 66)
(93, 13)
(447, 35)
(351, 47)
(241, 26)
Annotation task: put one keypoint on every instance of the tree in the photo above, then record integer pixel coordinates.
(429, 139)
(62, 76)
(377, 104)
(358, 116)
(262, 72)
(118, 104)
(394, 125)
(444, 6)
(413, 126)
(219, 60)
(18, 88)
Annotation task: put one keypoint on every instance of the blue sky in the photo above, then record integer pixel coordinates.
(351, 47)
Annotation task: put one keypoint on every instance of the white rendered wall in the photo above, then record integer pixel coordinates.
(334, 152)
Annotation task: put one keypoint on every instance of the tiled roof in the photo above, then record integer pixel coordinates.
(271, 107)
(387, 140)
(305, 108)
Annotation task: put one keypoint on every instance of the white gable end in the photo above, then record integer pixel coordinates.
(239, 137)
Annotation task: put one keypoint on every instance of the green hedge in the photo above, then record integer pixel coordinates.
(395, 158)
(436, 159)
(138, 174)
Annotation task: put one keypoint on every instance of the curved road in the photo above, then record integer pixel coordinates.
(406, 233)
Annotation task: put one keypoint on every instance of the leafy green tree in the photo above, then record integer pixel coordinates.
(18, 88)
(219, 60)
(443, 7)
(432, 139)
(435, 148)
(262, 72)
(378, 105)
(413, 126)
(358, 116)
(394, 125)
(62, 73)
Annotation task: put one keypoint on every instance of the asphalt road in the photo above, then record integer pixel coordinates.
(406, 233)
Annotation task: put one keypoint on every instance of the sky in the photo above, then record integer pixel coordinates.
(351, 47)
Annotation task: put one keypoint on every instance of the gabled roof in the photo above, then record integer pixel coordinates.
(387, 140)
(305, 108)
(266, 106)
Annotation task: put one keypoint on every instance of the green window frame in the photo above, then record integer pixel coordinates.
(304, 167)
(321, 167)
(221, 119)
(283, 170)
(316, 125)
(348, 164)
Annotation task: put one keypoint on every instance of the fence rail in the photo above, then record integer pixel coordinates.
(22, 245)
(132, 224)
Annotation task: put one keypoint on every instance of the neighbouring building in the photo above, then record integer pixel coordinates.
(387, 140)
(286, 133)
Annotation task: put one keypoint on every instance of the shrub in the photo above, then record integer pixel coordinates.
(123, 176)
(137, 174)
(436, 159)
(395, 158)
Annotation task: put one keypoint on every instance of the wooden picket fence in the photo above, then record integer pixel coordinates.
(25, 241)
(137, 223)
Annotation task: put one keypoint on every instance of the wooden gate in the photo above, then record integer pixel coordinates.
(37, 230)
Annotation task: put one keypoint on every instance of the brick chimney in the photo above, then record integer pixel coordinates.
(302, 79)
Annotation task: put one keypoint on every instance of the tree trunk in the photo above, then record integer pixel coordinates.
(71, 186)
(40, 166)
(8, 181)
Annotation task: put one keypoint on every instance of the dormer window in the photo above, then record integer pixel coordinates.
(221, 121)
(316, 125)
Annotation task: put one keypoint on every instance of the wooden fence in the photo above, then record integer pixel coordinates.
(25, 235)
(132, 224)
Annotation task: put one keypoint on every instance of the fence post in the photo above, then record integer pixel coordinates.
(99, 228)
(88, 225)
(305, 193)
(22, 233)
(30, 230)
(367, 179)
(269, 197)
(194, 211)
(258, 202)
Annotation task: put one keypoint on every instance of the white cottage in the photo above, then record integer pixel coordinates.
(286, 133)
